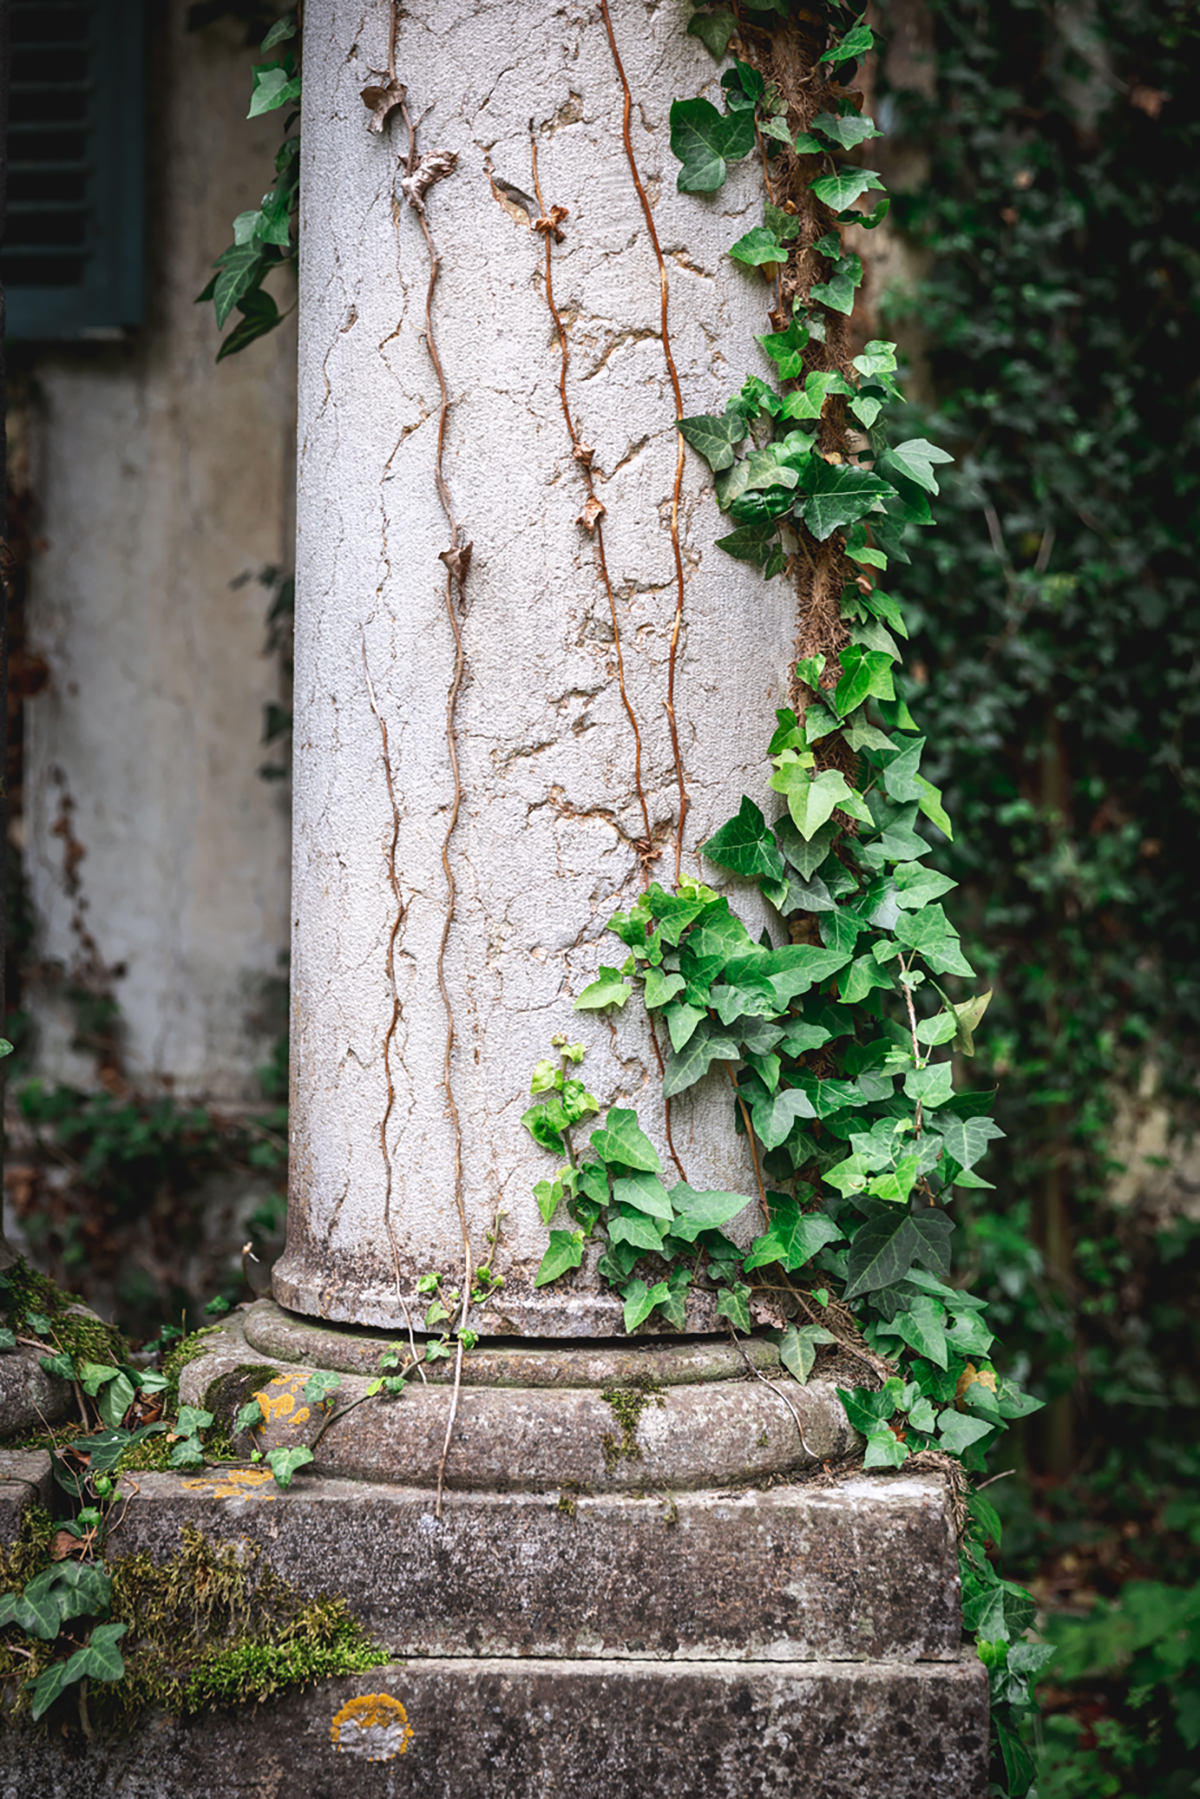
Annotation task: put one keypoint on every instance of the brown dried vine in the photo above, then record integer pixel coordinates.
(664, 290)
(592, 519)
(421, 172)
(397, 926)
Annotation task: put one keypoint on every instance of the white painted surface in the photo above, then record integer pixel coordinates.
(542, 854)
(160, 479)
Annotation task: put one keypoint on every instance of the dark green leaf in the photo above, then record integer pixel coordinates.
(798, 1350)
(686, 1067)
(565, 1251)
(696, 1212)
(841, 190)
(714, 29)
(786, 350)
(704, 141)
(734, 1303)
(715, 436)
(857, 41)
(746, 844)
(838, 495)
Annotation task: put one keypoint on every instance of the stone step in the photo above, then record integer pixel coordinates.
(544, 1729)
(865, 1569)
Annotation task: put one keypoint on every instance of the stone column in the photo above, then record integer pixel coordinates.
(509, 903)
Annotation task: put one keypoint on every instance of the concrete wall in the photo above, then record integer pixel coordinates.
(160, 480)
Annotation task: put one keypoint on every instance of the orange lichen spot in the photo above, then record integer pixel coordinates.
(278, 1400)
(237, 1483)
(374, 1727)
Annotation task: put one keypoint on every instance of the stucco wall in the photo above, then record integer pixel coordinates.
(160, 480)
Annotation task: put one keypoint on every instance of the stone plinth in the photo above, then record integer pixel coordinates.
(588, 1730)
(550, 822)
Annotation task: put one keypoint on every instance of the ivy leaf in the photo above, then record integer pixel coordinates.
(850, 1176)
(798, 1350)
(812, 798)
(864, 976)
(805, 854)
(932, 1085)
(857, 41)
(248, 1418)
(838, 495)
(794, 1237)
(286, 1462)
(704, 141)
(634, 1228)
(840, 191)
(192, 1418)
(644, 1193)
(866, 1411)
(640, 1301)
(917, 886)
(609, 989)
(714, 31)
(884, 1449)
(661, 987)
(60, 1365)
(786, 350)
(319, 1386)
(274, 85)
(623, 1141)
(808, 402)
(900, 774)
(565, 1251)
(715, 436)
(930, 802)
(684, 1068)
(746, 845)
(775, 1116)
(916, 459)
(759, 248)
(958, 1430)
(785, 225)
(838, 292)
(683, 1021)
(889, 1241)
(696, 1212)
(922, 1327)
(734, 1303)
(750, 543)
(846, 133)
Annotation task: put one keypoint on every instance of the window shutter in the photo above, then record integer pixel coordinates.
(72, 256)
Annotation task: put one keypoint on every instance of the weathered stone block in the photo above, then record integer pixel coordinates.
(552, 1730)
(28, 1395)
(24, 1477)
(865, 1570)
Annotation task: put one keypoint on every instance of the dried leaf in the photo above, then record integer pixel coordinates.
(434, 167)
(550, 225)
(592, 513)
(458, 561)
(765, 1311)
(382, 95)
(584, 453)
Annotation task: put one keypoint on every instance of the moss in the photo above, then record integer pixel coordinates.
(209, 1627)
(151, 1456)
(83, 1336)
(176, 1360)
(628, 1404)
(30, 1552)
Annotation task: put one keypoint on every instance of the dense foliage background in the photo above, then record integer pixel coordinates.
(1057, 151)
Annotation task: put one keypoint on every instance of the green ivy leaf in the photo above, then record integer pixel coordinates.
(714, 29)
(812, 798)
(840, 191)
(837, 495)
(59, 1365)
(705, 141)
(683, 1021)
(284, 1463)
(838, 292)
(640, 1301)
(734, 1303)
(957, 1430)
(922, 1326)
(704, 1047)
(715, 436)
(786, 350)
(917, 886)
(746, 845)
(644, 1193)
(609, 989)
(319, 1386)
(798, 1350)
(916, 459)
(565, 1251)
(750, 543)
(623, 1141)
(775, 1115)
(624, 1225)
(696, 1212)
(884, 1449)
(274, 85)
(248, 1418)
(794, 1237)
(759, 248)
(857, 41)
(932, 1085)
(661, 987)
(845, 132)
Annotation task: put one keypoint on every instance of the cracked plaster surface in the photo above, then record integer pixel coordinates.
(544, 849)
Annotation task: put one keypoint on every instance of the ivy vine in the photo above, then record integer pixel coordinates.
(839, 1039)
